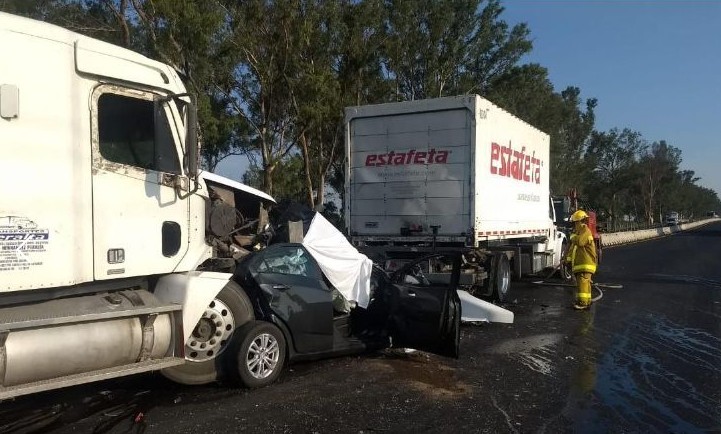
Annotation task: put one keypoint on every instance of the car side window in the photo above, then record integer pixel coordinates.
(290, 260)
(414, 276)
(136, 132)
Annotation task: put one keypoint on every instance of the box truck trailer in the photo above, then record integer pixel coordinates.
(451, 173)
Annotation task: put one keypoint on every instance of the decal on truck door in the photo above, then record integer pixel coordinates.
(22, 243)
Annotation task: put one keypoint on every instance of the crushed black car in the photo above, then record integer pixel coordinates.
(302, 316)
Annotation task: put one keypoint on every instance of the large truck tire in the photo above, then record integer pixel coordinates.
(206, 352)
(257, 354)
(501, 278)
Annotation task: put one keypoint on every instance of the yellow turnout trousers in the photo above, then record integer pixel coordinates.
(583, 290)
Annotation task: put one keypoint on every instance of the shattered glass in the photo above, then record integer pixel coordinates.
(295, 263)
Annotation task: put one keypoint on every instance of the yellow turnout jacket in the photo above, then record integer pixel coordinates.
(582, 251)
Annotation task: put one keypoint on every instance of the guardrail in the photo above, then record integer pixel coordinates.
(617, 238)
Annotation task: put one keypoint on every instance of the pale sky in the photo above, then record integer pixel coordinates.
(655, 67)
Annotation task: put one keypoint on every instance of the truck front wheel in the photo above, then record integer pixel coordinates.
(205, 350)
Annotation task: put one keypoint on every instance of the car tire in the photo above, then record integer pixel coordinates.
(259, 352)
(501, 278)
(207, 350)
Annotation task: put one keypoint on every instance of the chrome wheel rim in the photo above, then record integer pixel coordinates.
(505, 280)
(262, 357)
(211, 334)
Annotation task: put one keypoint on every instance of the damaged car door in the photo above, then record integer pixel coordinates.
(289, 276)
(425, 307)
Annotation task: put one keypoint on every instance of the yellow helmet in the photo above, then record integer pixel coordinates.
(579, 216)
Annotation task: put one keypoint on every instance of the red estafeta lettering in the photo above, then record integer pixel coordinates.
(514, 163)
(413, 156)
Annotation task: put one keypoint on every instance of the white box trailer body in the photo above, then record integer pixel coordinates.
(459, 163)
(476, 173)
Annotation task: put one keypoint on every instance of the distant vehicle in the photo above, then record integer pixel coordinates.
(672, 219)
(712, 214)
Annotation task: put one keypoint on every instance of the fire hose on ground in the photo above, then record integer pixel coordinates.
(595, 285)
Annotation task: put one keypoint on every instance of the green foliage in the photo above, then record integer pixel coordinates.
(272, 79)
(611, 159)
(435, 48)
(630, 178)
(288, 187)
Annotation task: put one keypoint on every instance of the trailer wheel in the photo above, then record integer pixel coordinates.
(258, 354)
(501, 278)
(206, 349)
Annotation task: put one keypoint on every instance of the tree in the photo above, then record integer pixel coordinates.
(289, 186)
(316, 105)
(657, 167)
(611, 157)
(527, 92)
(436, 48)
(360, 68)
(568, 143)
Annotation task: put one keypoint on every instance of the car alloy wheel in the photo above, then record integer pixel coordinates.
(258, 349)
(262, 356)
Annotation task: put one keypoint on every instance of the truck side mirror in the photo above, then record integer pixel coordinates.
(191, 139)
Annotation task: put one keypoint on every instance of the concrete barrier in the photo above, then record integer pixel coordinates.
(617, 238)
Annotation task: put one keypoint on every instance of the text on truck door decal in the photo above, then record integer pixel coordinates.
(505, 161)
(393, 158)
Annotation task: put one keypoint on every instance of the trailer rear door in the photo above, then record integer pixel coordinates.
(410, 170)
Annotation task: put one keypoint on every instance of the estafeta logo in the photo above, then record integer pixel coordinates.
(505, 161)
(413, 156)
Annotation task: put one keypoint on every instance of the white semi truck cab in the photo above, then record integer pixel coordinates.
(116, 252)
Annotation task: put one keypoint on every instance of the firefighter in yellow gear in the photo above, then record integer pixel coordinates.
(582, 257)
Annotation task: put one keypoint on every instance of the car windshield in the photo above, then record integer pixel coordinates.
(290, 260)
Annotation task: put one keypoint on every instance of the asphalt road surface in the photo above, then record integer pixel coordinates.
(645, 358)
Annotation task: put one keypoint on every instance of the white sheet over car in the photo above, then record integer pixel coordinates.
(347, 269)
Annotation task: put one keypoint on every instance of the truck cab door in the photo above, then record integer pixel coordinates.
(425, 308)
(140, 220)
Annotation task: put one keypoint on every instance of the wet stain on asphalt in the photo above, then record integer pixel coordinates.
(687, 279)
(534, 352)
(643, 379)
(548, 310)
(423, 372)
